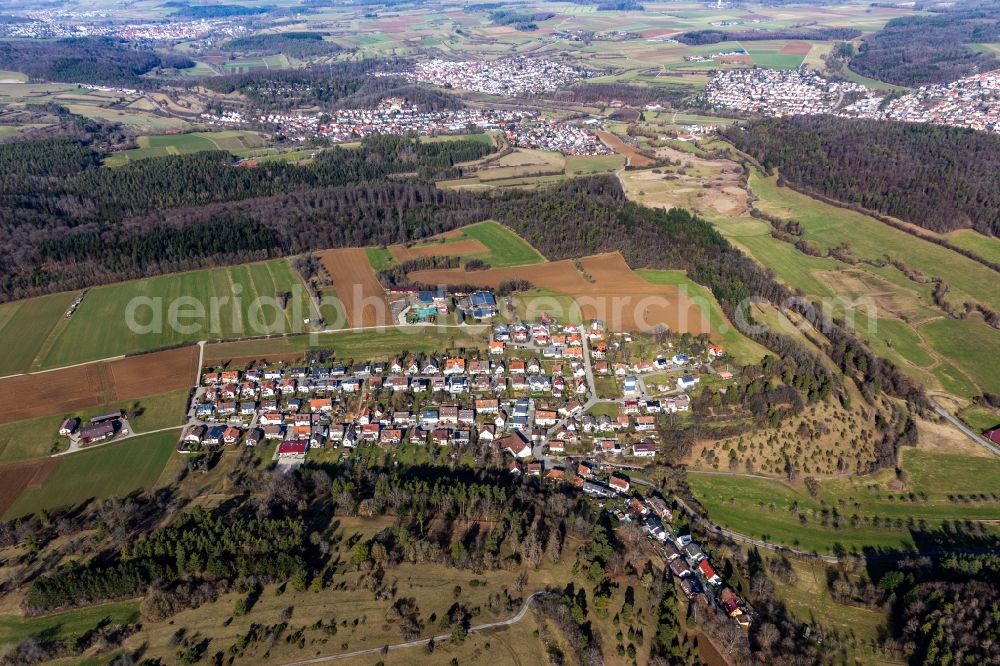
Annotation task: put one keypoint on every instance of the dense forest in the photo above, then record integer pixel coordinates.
(941, 178)
(918, 50)
(215, 10)
(632, 95)
(295, 44)
(84, 60)
(65, 217)
(345, 85)
(698, 37)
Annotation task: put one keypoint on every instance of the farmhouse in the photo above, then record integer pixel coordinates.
(97, 432)
(69, 426)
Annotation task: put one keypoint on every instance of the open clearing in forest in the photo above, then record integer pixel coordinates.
(83, 386)
(489, 241)
(709, 187)
(603, 286)
(162, 145)
(357, 287)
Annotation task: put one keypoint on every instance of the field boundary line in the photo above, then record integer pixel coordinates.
(66, 367)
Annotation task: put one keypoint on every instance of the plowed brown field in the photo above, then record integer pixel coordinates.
(796, 48)
(82, 386)
(151, 374)
(635, 158)
(15, 478)
(357, 287)
(613, 292)
(459, 247)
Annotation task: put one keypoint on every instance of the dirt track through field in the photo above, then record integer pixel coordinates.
(459, 247)
(635, 158)
(357, 287)
(17, 477)
(607, 289)
(83, 386)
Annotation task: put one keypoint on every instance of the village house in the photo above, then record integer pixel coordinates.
(644, 449)
(619, 483)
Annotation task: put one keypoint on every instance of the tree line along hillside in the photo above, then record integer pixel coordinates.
(941, 178)
(295, 44)
(699, 37)
(85, 60)
(63, 216)
(344, 85)
(920, 50)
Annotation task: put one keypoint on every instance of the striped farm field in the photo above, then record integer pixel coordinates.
(162, 145)
(25, 326)
(162, 311)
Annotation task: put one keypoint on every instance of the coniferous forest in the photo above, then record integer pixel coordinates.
(941, 178)
(918, 50)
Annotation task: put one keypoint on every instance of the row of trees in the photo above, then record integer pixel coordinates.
(67, 222)
(699, 37)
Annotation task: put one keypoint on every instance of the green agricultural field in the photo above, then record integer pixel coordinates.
(593, 164)
(230, 302)
(768, 54)
(142, 122)
(971, 345)
(787, 514)
(36, 438)
(980, 419)
(366, 345)
(379, 257)
(939, 356)
(987, 247)
(505, 247)
(829, 226)
(106, 471)
(14, 628)
(7, 76)
(162, 145)
(741, 348)
(25, 327)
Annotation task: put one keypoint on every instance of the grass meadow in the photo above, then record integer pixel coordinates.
(100, 327)
(38, 437)
(787, 514)
(106, 471)
(505, 247)
(25, 327)
(162, 145)
(361, 345)
(936, 350)
(14, 628)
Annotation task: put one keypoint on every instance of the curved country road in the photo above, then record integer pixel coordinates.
(422, 641)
